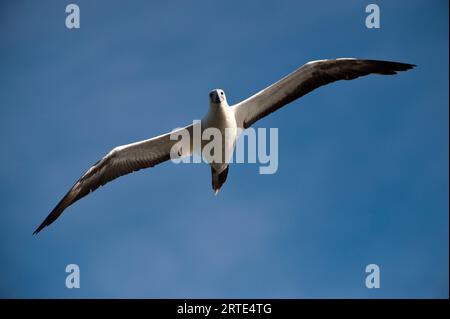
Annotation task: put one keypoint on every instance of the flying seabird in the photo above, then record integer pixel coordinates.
(126, 159)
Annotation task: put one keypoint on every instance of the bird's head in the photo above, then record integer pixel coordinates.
(217, 97)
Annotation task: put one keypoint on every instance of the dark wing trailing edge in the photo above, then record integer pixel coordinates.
(306, 79)
(120, 161)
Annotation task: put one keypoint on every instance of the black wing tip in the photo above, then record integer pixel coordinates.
(41, 227)
(50, 218)
(399, 66)
(395, 66)
(65, 202)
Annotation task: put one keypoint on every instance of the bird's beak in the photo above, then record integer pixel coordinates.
(218, 98)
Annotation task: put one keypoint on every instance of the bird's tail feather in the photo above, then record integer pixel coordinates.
(218, 179)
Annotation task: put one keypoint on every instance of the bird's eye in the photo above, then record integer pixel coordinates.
(221, 93)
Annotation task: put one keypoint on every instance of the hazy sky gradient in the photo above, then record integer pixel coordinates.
(363, 165)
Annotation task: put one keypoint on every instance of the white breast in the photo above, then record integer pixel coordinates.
(220, 119)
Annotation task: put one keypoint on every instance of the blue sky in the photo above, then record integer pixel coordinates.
(363, 165)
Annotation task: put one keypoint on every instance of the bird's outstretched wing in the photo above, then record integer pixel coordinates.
(306, 79)
(120, 161)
